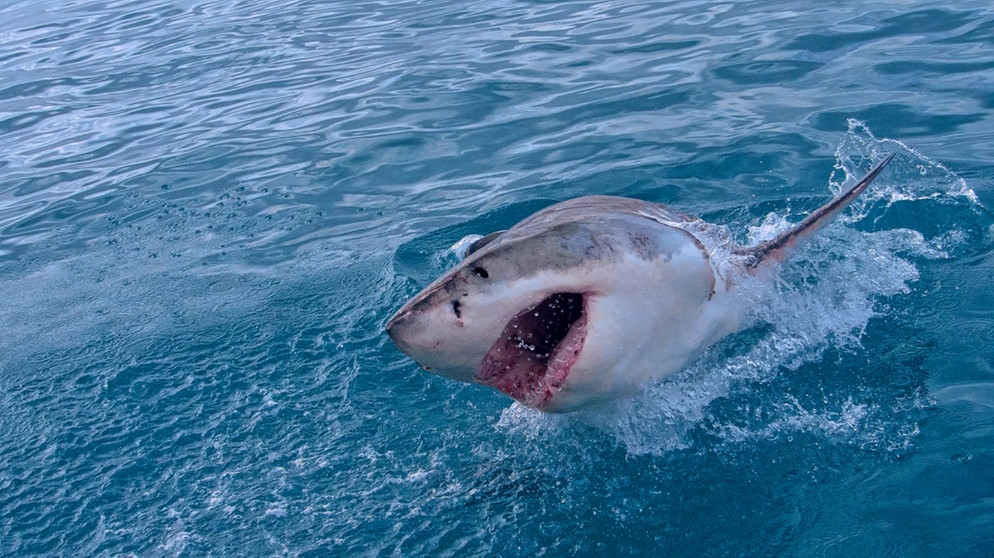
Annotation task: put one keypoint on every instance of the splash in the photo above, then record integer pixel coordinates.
(461, 248)
(920, 178)
(825, 296)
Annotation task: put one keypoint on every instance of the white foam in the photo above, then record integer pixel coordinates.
(459, 249)
(917, 177)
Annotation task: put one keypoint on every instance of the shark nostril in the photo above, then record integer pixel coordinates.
(455, 308)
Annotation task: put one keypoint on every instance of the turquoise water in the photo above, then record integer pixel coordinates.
(209, 209)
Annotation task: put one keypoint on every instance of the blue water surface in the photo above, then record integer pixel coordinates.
(208, 210)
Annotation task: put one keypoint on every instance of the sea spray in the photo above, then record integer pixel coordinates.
(825, 296)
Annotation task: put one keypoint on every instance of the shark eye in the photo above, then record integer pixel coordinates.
(480, 272)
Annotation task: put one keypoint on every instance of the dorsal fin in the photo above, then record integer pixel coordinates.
(775, 250)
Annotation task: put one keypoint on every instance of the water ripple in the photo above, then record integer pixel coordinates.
(208, 209)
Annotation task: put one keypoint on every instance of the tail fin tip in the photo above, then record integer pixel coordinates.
(776, 249)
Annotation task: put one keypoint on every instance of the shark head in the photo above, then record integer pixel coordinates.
(568, 308)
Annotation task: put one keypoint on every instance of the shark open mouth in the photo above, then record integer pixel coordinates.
(535, 351)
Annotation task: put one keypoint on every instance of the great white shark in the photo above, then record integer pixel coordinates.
(588, 300)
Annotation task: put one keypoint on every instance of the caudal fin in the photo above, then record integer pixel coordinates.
(776, 249)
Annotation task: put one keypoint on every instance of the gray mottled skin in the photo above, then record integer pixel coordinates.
(585, 229)
(568, 235)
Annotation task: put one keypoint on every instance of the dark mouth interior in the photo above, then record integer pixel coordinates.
(532, 356)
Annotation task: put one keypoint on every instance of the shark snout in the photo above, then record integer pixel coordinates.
(403, 329)
(394, 330)
(420, 328)
(434, 330)
(404, 332)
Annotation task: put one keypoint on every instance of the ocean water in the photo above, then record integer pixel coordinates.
(209, 209)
